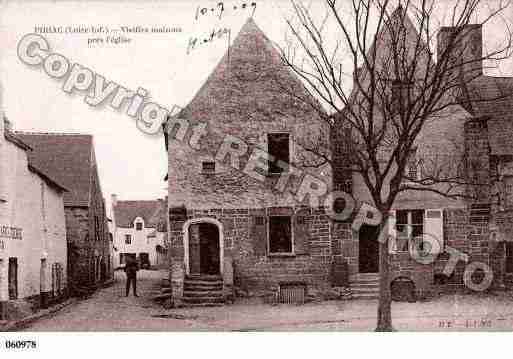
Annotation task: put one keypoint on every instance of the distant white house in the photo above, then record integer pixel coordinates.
(33, 248)
(139, 232)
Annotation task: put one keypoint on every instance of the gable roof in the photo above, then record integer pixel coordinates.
(65, 157)
(251, 58)
(14, 139)
(125, 212)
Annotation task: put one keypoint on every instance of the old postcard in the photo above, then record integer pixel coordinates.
(283, 165)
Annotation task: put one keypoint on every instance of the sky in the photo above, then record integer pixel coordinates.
(131, 164)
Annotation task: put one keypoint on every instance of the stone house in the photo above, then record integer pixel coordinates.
(139, 231)
(245, 223)
(33, 250)
(477, 131)
(235, 220)
(71, 159)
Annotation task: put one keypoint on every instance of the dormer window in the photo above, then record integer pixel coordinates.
(138, 226)
(208, 167)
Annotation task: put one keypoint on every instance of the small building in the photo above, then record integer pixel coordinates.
(33, 249)
(477, 132)
(70, 158)
(139, 232)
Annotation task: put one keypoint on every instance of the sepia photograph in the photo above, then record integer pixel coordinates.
(330, 169)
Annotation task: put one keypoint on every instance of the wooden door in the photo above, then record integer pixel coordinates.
(209, 249)
(368, 249)
(13, 278)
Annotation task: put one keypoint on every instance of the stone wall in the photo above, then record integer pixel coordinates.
(88, 242)
(254, 270)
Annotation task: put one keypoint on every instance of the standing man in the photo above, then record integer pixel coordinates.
(131, 269)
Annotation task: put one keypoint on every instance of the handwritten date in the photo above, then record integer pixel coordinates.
(220, 8)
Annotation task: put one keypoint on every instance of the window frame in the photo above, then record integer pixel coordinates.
(409, 227)
(209, 171)
(138, 226)
(292, 246)
(508, 265)
(128, 239)
(290, 150)
(399, 91)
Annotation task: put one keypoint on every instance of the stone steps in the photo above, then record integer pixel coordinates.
(364, 285)
(207, 293)
(203, 290)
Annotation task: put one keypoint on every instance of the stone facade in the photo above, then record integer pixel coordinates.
(242, 102)
(254, 271)
(89, 242)
(463, 137)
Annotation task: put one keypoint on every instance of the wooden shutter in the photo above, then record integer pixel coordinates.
(392, 233)
(258, 235)
(434, 225)
(301, 228)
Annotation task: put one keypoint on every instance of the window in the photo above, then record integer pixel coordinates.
(409, 225)
(400, 92)
(280, 234)
(412, 171)
(138, 226)
(278, 148)
(480, 213)
(509, 257)
(128, 239)
(208, 167)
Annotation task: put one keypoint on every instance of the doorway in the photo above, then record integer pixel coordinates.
(204, 254)
(368, 256)
(144, 258)
(13, 278)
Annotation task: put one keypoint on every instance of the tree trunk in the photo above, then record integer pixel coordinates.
(385, 299)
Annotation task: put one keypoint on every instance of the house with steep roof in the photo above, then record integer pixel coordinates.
(33, 249)
(478, 131)
(139, 232)
(235, 219)
(71, 159)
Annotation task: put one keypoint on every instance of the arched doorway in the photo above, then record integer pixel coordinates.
(203, 246)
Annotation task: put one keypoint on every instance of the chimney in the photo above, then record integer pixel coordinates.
(467, 45)
(114, 199)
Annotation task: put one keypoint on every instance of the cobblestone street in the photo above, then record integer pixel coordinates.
(110, 310)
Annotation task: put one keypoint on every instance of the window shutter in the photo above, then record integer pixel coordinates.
(434, 225)
(301, 228)
(259, 235)
(392, 233)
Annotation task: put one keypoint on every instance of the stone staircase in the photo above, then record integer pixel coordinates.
(203, 290)
(364, 285)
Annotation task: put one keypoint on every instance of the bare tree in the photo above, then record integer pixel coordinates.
(398, 88)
